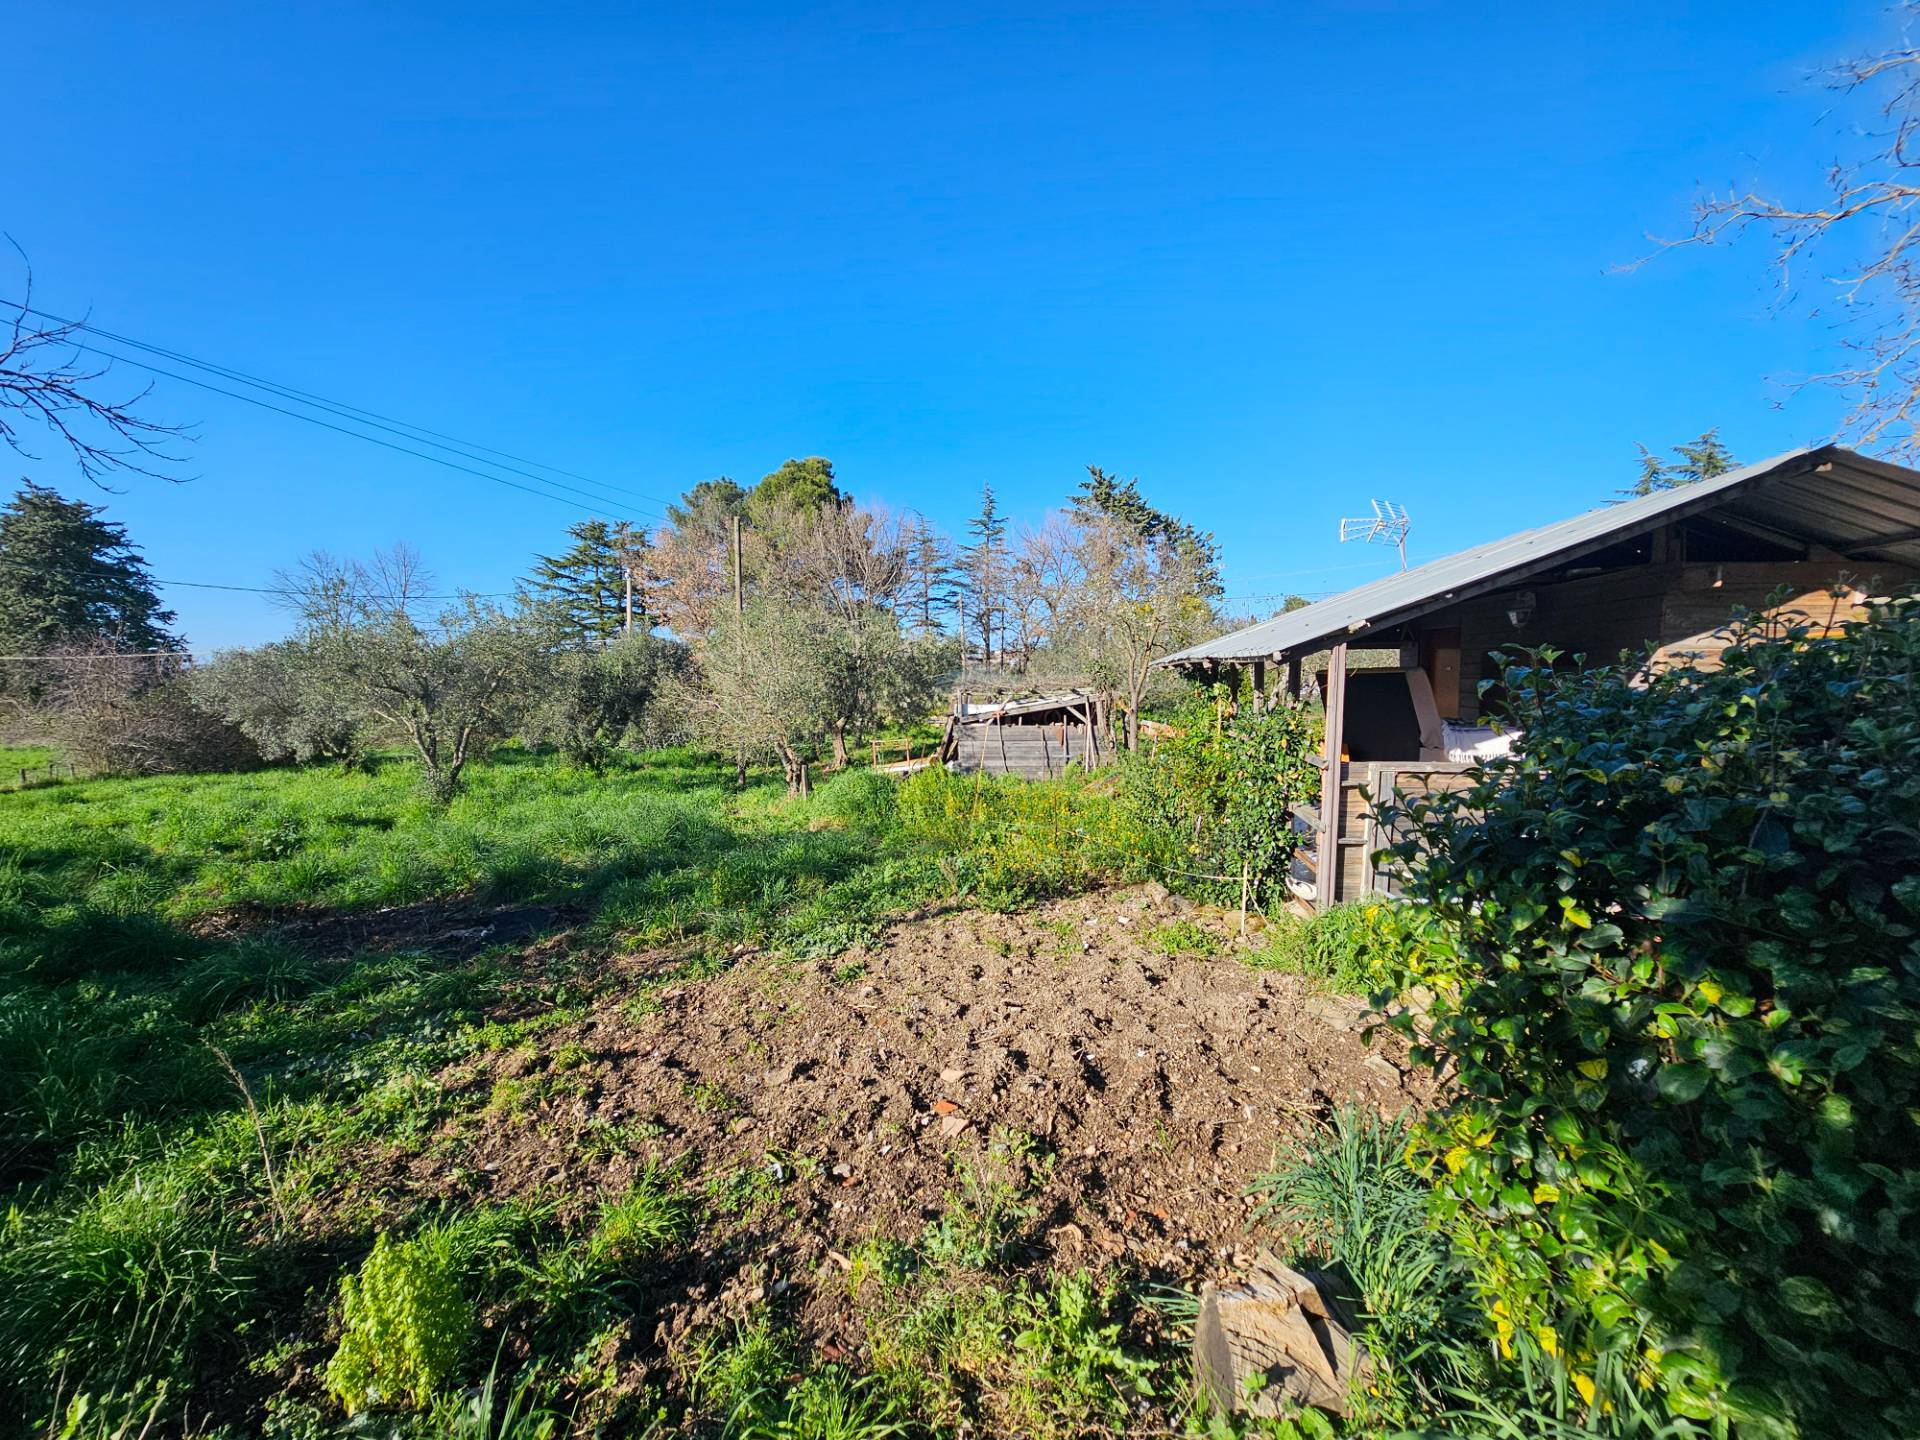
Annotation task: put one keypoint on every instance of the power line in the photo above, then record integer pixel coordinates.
(359, 414)
(299, 590)
(111, 571)
(359, 435)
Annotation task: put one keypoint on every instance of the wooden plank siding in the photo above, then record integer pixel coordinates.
(1033, 752)
(1673, 607)
(1359, 834)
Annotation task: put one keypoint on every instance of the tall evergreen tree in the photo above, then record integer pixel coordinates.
(1702, 460)
(1107, 497)
(929, 587)
(586, 585)
(983, 570)
(68, 576)
(799, 485)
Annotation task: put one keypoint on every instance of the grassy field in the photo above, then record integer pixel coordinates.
(223, 996)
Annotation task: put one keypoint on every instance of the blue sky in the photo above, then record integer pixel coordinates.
(1272, 259)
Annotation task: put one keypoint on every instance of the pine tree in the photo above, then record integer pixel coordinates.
(984, 564)
(1702, 460)
(929, 592)
(586, 586)
(806, 485)
(1104, 496)
(67, 576)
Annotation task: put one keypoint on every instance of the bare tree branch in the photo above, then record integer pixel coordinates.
(44, 379)
(1867, 231)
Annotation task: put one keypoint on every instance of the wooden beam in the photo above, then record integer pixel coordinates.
(1328, 868)
(1293, 676)
(1892, 537)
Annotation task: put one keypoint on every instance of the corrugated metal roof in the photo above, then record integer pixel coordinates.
(1862, 508)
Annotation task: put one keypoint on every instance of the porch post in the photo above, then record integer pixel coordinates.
(1327, 871)
(1293, 677)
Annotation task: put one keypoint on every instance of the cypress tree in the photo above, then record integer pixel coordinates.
(985, 568)
(68, 576)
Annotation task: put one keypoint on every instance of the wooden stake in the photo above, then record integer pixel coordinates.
(1327, 882)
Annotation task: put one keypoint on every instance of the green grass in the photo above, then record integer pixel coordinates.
(191, 1101)
(15, 758)
(1339, 948)
(197, 1111)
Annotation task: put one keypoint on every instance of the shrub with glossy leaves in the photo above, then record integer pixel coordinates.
(1673, 944)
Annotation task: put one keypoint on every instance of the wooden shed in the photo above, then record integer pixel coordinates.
(1037, 738)
(1661, 573)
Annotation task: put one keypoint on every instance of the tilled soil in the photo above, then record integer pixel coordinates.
(1156, 1086)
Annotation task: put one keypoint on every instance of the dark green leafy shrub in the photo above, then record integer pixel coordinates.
(1211, 800)
(1673, 945)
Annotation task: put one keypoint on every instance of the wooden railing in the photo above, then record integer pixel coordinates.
(1359, 834)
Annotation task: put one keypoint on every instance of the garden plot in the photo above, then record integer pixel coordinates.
(1138, 1071)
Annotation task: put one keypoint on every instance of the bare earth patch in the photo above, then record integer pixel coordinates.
(821, 1104)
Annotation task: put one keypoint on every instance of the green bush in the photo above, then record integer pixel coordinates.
(1211, 800)
(1015, 841)
(404, 1322)
(860, 799)
(1673, 946)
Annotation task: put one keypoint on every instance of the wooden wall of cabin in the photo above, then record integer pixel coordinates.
(1031, 751)
(1599, 616)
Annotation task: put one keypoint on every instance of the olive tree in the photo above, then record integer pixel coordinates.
(765, 686)
(283, 697)
(1142, 583)
(594, 699)
(452, 687)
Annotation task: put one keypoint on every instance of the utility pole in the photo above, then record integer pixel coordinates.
(627, 629)
(739, 638)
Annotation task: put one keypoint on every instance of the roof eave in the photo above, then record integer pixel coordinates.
(1793, 464)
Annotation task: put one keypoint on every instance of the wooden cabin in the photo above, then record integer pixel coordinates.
(1661, 573)
(1037, 739)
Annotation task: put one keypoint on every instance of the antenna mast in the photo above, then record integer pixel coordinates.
(1388, 525)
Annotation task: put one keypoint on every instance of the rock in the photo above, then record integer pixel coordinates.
(1276, 1340)
(1382, 1067)
(952, 1125)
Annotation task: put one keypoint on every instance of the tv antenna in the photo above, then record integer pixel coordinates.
(1387, 525)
